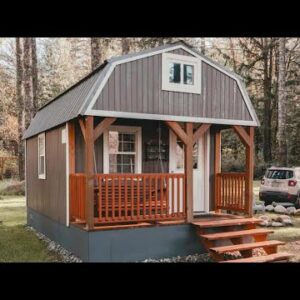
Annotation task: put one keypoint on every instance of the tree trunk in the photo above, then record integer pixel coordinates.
(20, 106)
(96, 53)
(27, 80)
(281, 134)
(34, 75)
(125, 42)
(267, 105)
(202, 46)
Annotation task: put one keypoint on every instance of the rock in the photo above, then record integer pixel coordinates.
(264, 218)
(276, 224)
(297, 213)
(259, 208)
(269, 208)
(291, 210)
(280, 209)
(286, 220)
(264, 223)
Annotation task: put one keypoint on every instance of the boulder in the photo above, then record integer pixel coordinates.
(286, 220)
(291, 210)
(265, 223)
(276, 224)
(259, 208)
(264, 218)
(280, 209)
(269, 208)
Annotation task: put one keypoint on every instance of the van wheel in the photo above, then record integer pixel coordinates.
(297, 204)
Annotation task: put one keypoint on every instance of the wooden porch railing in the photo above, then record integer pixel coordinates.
(131, 197)
(230, 192)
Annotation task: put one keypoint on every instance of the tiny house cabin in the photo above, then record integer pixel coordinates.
(126, 164)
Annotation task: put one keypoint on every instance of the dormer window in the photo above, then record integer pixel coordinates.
(181, 73)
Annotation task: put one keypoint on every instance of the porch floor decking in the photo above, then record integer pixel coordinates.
(206, 217)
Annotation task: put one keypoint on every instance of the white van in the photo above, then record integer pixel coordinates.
(281, 185)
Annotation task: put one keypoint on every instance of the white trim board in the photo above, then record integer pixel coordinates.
(25, 170)
(112, 65)
(120, 114)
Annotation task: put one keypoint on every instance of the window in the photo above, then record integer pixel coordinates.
(41, 156)
(181, 73)
(188, 75)
(174, 73)
(279, 174)
(122, 150)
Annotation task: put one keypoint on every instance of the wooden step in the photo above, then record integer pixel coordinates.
(248, 246)
(235, 234)
(221, 223)
(261, 259)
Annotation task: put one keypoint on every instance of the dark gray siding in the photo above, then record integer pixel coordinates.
(149, 133)
(136, 87)
(126, 245)
(47, 196)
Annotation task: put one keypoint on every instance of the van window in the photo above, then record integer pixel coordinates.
(279, 174)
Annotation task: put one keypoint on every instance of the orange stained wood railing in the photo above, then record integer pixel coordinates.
(131, 197)
(231, 192)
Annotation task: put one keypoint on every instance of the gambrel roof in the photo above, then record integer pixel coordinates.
(80, 98)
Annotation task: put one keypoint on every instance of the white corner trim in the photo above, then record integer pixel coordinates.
(194, 88)
(125, 129)
(195, 54)
(120, 114)
(67, 176)
(25, 170)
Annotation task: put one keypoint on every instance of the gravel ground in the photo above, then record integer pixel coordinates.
(182, 259)
(196, 258)
(52, 246)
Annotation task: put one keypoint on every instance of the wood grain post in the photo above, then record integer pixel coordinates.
(71, 134)
(188, 166)
(217, 168)
(249, 171)
(89, 171)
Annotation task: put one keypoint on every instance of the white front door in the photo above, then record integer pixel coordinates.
(201, 169)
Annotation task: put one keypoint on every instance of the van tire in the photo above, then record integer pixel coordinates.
(297, 203)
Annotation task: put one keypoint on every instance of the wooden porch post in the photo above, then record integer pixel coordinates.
(247, 137)
(188, 166)
(71, 136)
(89, 171)
(217, 167)
(189, 138)
(249, 170)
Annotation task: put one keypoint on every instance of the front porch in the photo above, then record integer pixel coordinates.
(121, 200)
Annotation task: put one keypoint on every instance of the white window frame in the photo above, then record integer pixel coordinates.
(138, 143)
(43, 137)
(194, 88)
